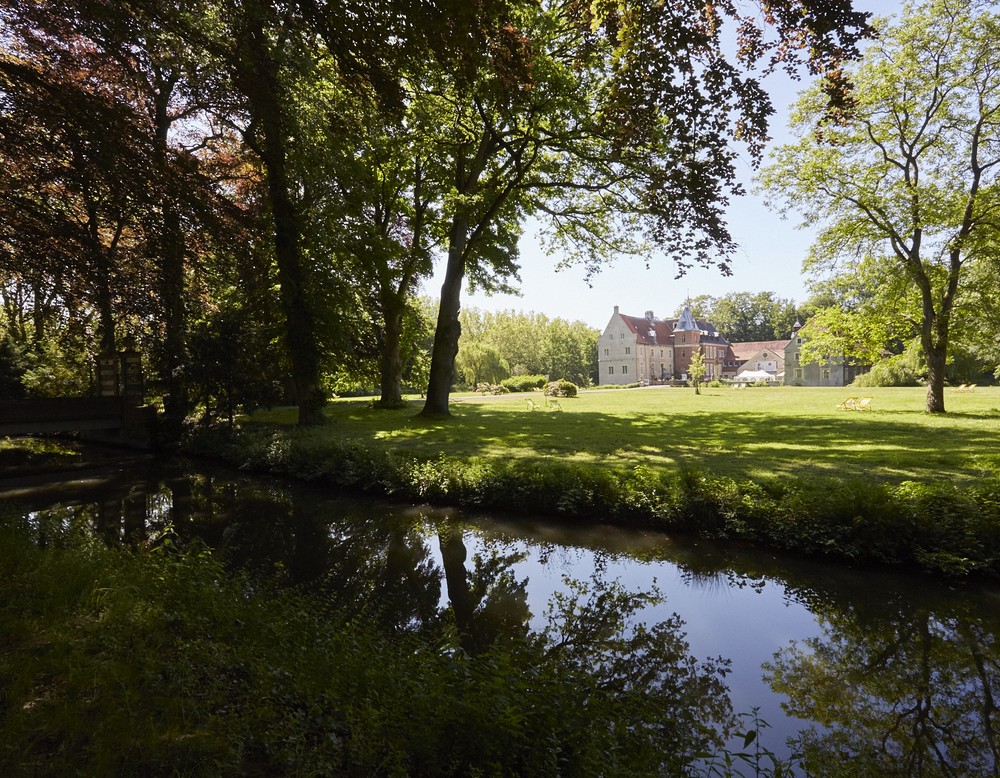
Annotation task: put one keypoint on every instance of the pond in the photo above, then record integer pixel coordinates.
(864, 671)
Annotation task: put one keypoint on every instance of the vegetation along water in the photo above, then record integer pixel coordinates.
(787, 467)
(184, 621)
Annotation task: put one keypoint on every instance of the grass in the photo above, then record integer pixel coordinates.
(750, 434)
(784, 467)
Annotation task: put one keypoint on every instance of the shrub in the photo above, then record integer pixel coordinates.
(934, 527)
(906, 369)
(161, 662)
(491, 389)
(524, 383)
(561, 389)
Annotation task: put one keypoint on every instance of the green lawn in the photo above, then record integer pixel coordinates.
(743, 434)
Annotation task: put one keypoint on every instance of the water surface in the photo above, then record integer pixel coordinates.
(868, 672)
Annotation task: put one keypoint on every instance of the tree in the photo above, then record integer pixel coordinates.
(697, 370)
(533, 344)
(479, 363)
(909, 181)
(744, 316)
(105, 204)
(565, 117)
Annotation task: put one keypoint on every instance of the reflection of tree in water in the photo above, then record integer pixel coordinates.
(677, 707)
(610, 694)
(489, 605)
(911, 693)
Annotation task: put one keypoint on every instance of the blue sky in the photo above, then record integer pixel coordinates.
(769, 257)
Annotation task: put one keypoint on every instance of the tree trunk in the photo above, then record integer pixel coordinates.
(934, 340)
(449, 329)
(176, 403)
(172, 256)
(453, 556)
(392, 361)
(936, 357)
(263, 90)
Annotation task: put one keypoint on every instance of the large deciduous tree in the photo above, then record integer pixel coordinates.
(908, 182)
(615, 122)
(104, 202)
(745, 316)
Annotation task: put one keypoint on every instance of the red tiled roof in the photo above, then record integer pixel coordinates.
(656, 332)
(746, 350)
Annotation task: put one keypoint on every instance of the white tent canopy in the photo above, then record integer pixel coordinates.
(751, 376)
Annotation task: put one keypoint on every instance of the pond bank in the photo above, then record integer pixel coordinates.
(186, 615)
(938, 528)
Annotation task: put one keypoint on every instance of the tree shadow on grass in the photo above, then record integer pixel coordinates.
(881, 446)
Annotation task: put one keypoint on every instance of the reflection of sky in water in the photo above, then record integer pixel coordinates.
(744, 624)
(742, 605)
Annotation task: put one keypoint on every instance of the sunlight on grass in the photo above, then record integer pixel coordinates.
(765, 432)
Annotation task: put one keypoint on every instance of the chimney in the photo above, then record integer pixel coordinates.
(649, 315)
(616, 309)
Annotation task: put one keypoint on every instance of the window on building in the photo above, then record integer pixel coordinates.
(798, 373)
(624, 369)
(684, 338)
(611, 369)
(607, 351)
(628, 350)
(661, 352)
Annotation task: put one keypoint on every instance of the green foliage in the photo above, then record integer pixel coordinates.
(744, 317)
(233, 362)
(533, 344)
(491, 389)
(478, 363)
(12, 368)
(906, 369)
(524, 383)
(697, 369)
(50, 370)
(561, 389)
(902, 206)
(933, 526)
(160, 662)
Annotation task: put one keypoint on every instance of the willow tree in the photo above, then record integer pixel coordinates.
(908, 181)
(614, 123)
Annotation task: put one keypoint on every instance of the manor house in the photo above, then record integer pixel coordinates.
(652, 350)
(647, 350)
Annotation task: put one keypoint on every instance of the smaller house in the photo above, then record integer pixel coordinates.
(760, 356)
(829, 371)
